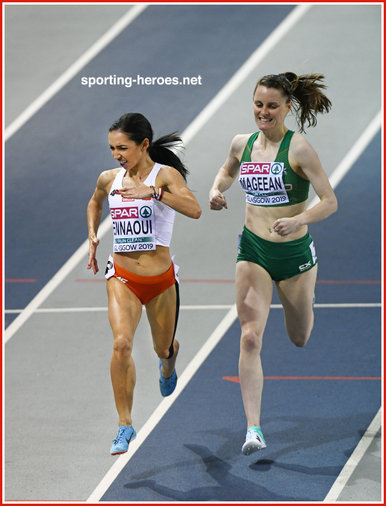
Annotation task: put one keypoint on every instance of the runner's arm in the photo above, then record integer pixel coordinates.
(308, 161)
(226, 175)
(176, 194)
(94, 213)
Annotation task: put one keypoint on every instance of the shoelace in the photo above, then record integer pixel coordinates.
(119, 435)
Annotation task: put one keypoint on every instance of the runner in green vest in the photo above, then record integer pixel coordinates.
(275, 168)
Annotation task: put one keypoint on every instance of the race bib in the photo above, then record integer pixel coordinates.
(263, 183)
(133, 226)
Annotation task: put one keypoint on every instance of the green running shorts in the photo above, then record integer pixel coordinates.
(282, 260)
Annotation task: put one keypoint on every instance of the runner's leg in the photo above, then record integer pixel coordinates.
(297, 296)
(162, 312)
(254, 289)
(124, 310)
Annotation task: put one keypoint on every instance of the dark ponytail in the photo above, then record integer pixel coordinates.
(160, 152)
(138, 128)
(305, 91)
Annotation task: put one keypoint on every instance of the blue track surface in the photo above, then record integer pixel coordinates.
(355, 228)
(53, 161)
(311, 426)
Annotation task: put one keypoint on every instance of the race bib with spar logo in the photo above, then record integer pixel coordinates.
(263, 183)
(133, 226)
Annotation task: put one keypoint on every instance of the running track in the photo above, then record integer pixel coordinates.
(322, 423)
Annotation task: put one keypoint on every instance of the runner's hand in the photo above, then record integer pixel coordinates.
(286, 226)
(92, 261)
(217, 201)
(135, 191)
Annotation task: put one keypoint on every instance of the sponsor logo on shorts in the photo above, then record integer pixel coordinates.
(304, 267)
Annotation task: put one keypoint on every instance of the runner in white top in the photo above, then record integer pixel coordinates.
(149, 222)
(144, 193)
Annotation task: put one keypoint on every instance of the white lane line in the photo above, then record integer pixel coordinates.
(208, 307)
(81, 62)
(166, 403)
(348, 305)
(354, 459)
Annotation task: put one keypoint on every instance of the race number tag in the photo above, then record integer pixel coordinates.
(263, 183)
(110, 269)
(133, 226)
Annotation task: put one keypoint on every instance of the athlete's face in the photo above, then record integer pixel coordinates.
(125, 151)
(270, 107)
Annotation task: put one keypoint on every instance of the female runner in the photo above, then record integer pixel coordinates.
(143, 193)
(276, 167)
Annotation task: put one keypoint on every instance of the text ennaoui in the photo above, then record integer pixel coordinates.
(132, 227)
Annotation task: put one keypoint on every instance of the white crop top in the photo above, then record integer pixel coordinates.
(139, 224)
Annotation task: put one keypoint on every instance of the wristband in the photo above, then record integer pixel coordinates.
(157, 194)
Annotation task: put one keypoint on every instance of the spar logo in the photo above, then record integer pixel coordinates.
(145, 212)
(124, 213)
(255, 168)
(276, 168)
